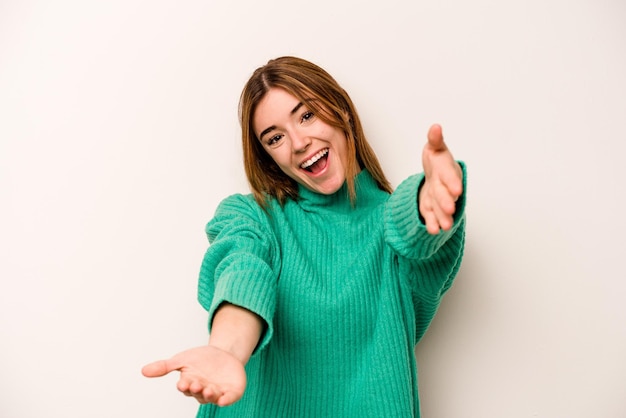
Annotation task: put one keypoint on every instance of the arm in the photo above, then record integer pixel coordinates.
(237, 331)
(236, 287)
(428, 232)
(215, 373)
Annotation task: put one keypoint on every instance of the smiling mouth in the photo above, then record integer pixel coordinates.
(315, 163)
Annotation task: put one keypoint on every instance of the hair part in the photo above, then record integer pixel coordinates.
(328, 100)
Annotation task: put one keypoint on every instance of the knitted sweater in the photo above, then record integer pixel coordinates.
(345, 292)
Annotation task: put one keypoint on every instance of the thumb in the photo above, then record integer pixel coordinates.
(435, 138)
(159, 368)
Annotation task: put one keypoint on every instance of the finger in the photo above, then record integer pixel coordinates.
(196, 388)
(227, 398)
(210, 394)
(437, 209)
(443, 206)
(443, 201)
(184, 385)
(442, 219)
(426, 209)
(432, 226)
(435, 138)
(453, 180)
(158, 368)
(445, 222)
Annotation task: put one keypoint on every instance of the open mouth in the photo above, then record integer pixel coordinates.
(316, 163)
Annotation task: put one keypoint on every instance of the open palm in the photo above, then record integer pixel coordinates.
(207, 373)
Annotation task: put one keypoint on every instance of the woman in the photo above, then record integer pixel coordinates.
(319, 284)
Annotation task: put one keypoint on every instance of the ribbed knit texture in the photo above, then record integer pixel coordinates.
(346, 293)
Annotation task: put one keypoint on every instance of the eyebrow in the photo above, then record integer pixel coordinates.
(271, 128)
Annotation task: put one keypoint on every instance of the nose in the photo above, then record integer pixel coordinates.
(299, 142)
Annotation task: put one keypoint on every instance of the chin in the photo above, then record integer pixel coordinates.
(330, 188)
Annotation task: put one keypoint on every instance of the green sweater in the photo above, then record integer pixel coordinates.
(345, 292)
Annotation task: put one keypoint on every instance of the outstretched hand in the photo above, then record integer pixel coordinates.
(207, 373)
(443, 184)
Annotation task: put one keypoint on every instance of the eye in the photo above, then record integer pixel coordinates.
(306, 116)
(273, 140)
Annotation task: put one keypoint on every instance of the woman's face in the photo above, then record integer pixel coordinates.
(305, 148)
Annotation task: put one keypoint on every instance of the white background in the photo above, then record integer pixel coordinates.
(119, 136)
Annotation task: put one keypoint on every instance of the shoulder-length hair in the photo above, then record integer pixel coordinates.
(328, 100)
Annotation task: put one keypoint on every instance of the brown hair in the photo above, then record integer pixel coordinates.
(328, 100)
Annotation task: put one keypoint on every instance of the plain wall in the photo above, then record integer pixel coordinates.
(119, 136)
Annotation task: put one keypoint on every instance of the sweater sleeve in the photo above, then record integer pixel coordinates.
(428, 262)
(242, 262)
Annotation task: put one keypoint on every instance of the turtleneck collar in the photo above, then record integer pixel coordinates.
(367, 193)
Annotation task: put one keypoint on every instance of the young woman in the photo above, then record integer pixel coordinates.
(319, 284)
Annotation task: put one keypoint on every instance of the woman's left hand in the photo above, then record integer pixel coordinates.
(443, 184)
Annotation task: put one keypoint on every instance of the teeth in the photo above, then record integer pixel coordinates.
(314, 159)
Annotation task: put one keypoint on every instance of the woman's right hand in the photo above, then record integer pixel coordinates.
(209, 374)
